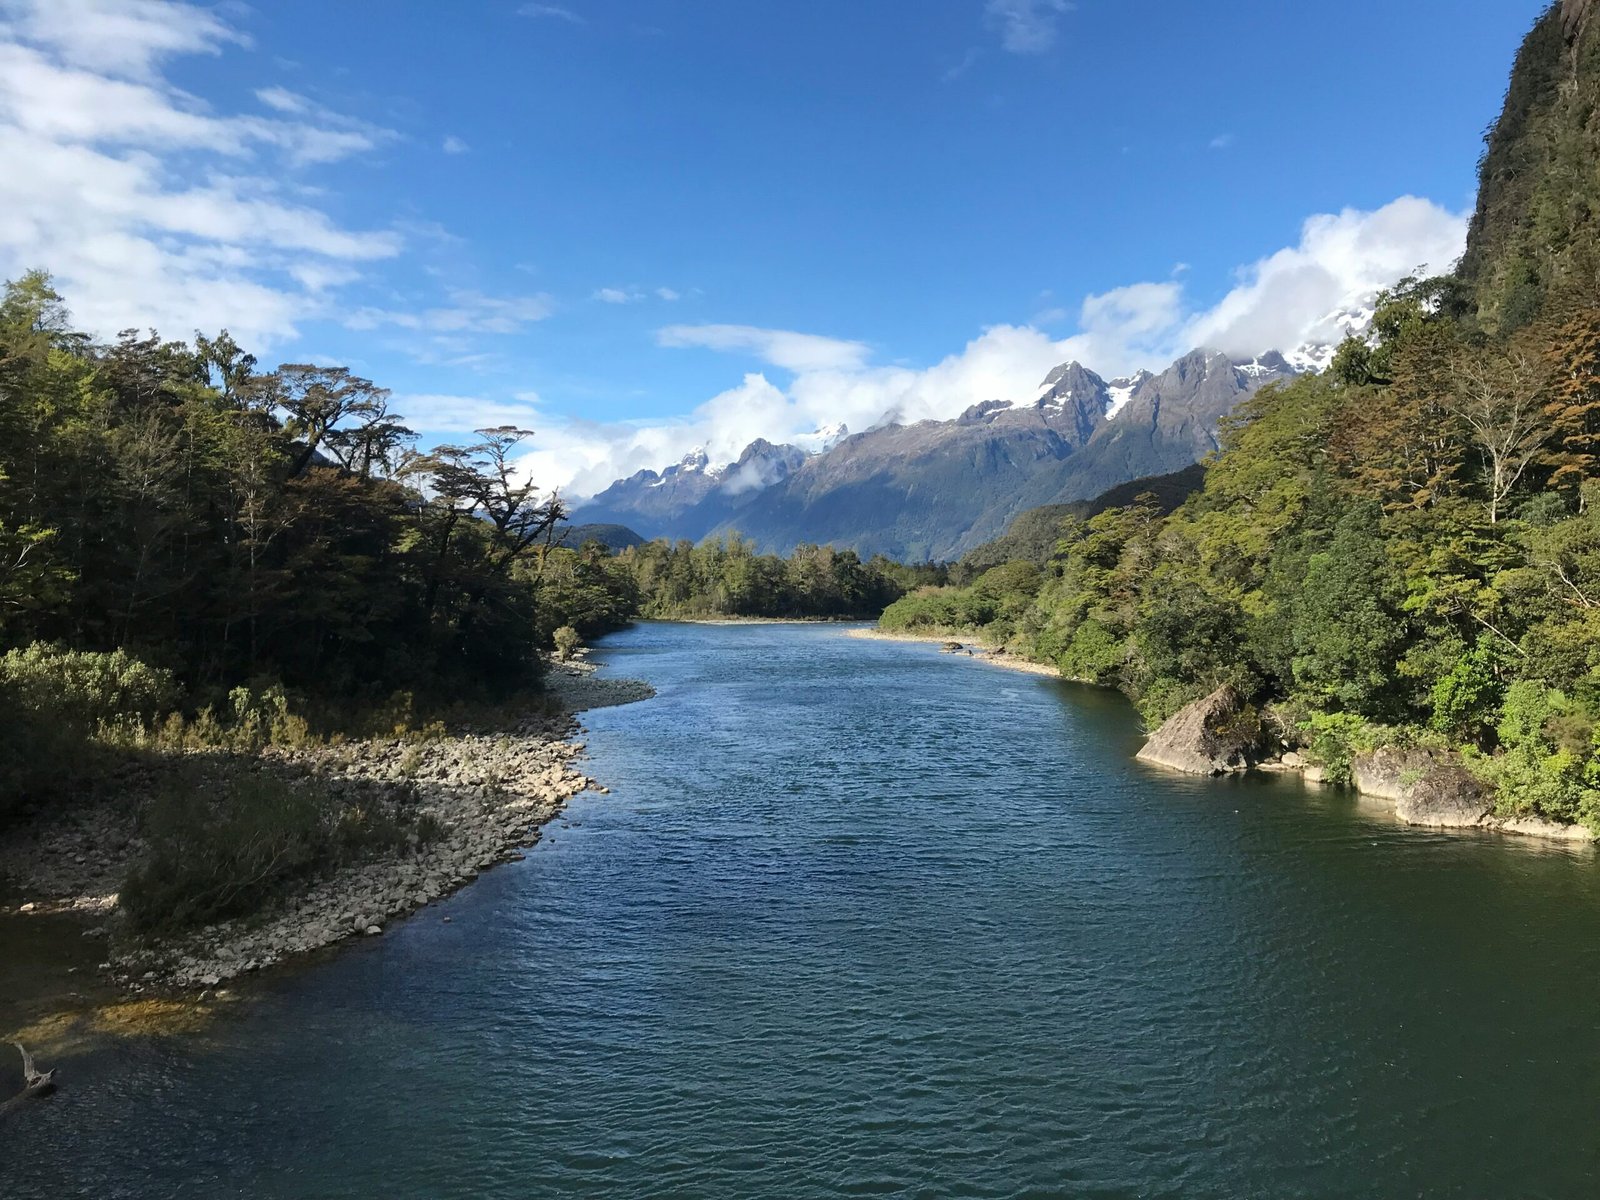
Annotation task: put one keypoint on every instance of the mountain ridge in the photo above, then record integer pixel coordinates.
(934, 490)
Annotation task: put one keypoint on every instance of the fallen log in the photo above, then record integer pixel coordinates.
(36, 1084)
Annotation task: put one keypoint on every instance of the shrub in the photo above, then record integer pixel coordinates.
(1333, 740)
(225, 841)
(222, 848)
(1546, 740)
(83, 688)
(52, 703)
(566, 641)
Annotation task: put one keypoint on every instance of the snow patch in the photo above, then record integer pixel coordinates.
(822, 439)
(1121, 391)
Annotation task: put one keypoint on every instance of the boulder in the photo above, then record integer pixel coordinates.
(1447, 796)
(1217, 735)
(1427, 789)
(1389, 773)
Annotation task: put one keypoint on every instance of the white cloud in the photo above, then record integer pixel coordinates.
(956, 70)
(118, 37)
(453, 415)
(633, 295)
(283, 100)
(151, 209)
(1280, 300)
(554, 11)
(1276, 302)
(454, 145)
(467, 312)
(780, 347)
(1027, 26)
(1222, 141)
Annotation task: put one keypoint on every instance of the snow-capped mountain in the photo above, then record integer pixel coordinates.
(933, 489)
(1353, 319)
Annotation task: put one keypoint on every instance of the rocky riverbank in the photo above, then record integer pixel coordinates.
(482, 797)
(1220, 734)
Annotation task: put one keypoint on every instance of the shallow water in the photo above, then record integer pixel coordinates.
(862, 919)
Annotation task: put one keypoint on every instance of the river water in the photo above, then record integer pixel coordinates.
(863, 919)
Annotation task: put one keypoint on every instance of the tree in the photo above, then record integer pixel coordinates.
(1573, 391)
(1348, 631)
(1499, 396)
(315, 400)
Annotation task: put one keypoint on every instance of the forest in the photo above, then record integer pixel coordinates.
(1404, 550)
(192, 549)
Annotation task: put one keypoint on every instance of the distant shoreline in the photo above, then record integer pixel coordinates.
(980, 651)
(754, 620)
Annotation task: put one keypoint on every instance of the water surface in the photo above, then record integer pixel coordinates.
(862, 919)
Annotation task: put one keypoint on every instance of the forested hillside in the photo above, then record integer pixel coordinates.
(1536, 229)
(1405, 549)
(191, 547)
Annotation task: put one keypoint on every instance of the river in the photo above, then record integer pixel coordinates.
(858, 918)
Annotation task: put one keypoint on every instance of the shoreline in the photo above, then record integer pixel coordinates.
(982, 653)
(1309, 774)
(490, 792)
(751, 620)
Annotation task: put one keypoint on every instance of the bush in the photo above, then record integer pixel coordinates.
(567, 641)
(1333, 740)
(52, 703)
(83, 688)
(225, 841)
(220, 850)
(1548, 746)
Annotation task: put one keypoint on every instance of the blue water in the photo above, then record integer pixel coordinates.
(863, 919)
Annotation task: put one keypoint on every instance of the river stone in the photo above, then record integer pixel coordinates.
(1217, 735)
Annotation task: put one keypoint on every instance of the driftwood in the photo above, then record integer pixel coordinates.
(35, 1084)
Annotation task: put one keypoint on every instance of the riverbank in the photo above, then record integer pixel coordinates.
(482, 795)
(965, 644)
(1374, 780)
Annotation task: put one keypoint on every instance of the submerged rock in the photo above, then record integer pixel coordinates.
(1217, 735)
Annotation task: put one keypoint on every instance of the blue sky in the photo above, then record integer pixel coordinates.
(640, 225)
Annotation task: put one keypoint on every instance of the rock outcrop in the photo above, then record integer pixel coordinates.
(1438, 792)
(1218, 735)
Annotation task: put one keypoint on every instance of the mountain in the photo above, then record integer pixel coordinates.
(612, 537)
(1032, 537)
(935, 489)
(1535, 231)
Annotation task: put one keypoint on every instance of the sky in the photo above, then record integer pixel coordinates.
(637, 227)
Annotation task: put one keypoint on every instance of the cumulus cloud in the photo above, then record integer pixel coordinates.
(1282, 299)
(1027, 26)
(455, 145)
(1277, 302)
(150, 208)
